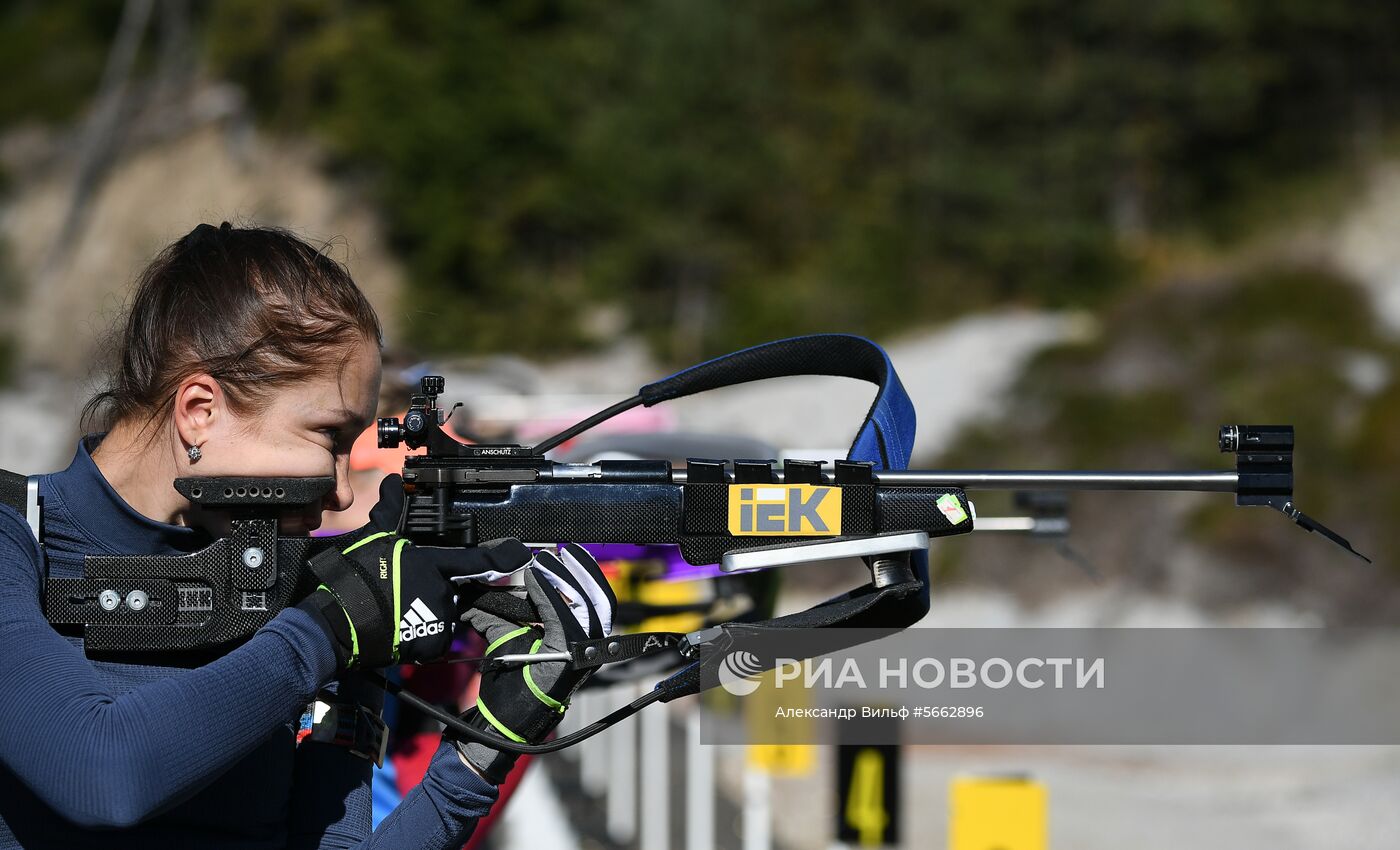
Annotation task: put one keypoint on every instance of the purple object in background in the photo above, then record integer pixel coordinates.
(677, 569)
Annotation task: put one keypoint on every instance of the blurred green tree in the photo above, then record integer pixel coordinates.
(52, 54)
(722, 176)
(715, 176)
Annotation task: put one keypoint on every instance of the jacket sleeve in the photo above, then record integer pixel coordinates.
(107, 759)
(441, 812)
(331, 798)
(333, 792)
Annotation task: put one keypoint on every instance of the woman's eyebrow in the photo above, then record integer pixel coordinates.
(345, 414)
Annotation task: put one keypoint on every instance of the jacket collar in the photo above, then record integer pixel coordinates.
(95, 507)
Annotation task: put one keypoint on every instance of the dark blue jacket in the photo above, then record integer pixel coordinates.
(108, 755)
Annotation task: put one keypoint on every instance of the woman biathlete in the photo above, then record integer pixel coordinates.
(246, 352)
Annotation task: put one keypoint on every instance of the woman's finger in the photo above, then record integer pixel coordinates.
(387, 512)
(490, 561)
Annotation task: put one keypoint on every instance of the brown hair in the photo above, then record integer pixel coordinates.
(256, 308)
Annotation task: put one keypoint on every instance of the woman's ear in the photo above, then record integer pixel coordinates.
(200, 407)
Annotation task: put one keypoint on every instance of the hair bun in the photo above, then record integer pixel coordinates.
(202, 233)
(208, 234)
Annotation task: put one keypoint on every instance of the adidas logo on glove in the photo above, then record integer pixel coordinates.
(418, 621)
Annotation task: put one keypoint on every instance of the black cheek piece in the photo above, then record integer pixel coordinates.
(205, 600)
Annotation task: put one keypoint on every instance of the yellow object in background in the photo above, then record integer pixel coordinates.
(997, 813)
(865, 809)
(673, 593)
(782, 759)
(782, 755)
(637, 581)
(869, 794)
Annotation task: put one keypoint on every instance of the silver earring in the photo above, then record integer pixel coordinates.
(194, 453)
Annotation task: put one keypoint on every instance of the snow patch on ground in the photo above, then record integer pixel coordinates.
(1365, 246)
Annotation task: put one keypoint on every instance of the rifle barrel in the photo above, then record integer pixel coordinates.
(1208, 481)
(974, 479)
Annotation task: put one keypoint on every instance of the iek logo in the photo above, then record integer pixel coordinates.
(418, 621)
(787, 510)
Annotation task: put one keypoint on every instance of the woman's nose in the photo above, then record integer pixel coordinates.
(343, 496)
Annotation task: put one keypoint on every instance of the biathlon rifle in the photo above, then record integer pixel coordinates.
(743, 514)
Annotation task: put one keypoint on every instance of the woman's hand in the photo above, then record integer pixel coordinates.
(524, 704)
(389, 601)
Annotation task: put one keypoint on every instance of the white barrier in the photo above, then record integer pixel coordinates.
(656, 778)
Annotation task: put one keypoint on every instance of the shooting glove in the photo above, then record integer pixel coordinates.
(524, 703)
(389, 601)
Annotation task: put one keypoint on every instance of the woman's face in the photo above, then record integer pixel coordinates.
(305, 431)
